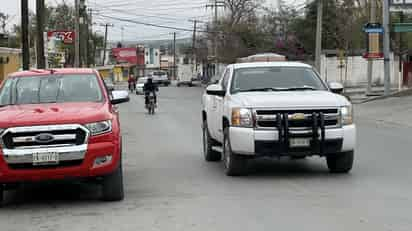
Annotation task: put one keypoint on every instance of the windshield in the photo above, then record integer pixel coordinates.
(142, 80)
(275, 78)
(159, 73)
(51, 89)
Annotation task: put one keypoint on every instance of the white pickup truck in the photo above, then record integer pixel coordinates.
(276, 109)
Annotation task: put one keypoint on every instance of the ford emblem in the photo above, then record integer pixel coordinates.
(44, 138)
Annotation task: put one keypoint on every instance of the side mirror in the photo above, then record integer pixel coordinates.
(110, 88)
(336, 87)
(215, 89)
(119, 97)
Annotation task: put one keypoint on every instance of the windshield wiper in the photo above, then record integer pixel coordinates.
(264, 89)
(301, 88)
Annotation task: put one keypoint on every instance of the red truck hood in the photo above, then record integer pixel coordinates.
(56, 113)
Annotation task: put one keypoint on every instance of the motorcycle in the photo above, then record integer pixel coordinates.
(151, 104)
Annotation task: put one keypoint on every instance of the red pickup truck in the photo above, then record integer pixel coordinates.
(60, 124)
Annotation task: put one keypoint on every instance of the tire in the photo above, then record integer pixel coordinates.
(209, 154)
(235, 165)
(341, 162)
(1, 194)
(112, 187)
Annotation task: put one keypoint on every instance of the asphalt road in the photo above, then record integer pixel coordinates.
(170, 187)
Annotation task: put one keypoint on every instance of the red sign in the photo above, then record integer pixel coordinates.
(373, 55)
(128, 55)
(67, 37)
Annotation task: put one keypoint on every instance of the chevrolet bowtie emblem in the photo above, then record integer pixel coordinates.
(297, 116)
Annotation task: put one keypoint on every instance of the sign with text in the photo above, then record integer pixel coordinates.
(128, 55)
(400, 5)
(65, 36)
(374, 31)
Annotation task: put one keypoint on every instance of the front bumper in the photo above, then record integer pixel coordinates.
(74, 162)
(255, 142)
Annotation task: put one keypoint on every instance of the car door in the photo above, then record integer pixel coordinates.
(211, 110)
(219, 104)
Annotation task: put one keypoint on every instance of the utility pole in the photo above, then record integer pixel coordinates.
(77, 34)
(83, 33)
(370, 61)
(386, 47)
(105, 41)
(90, 45)
(174, 55)
(122, 28)
(194, 45)
(319, 35)
(25, 34)
(216, 4)
(40, 12)
(401, 19)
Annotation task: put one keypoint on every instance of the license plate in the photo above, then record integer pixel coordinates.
(45, 158)
(299, 143)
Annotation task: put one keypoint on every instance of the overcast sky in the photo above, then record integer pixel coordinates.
(173, 13)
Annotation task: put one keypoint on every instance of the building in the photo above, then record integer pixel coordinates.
(10, 61)
(152, 58)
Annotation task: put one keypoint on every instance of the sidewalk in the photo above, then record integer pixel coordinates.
(358, 94)
(395, 110)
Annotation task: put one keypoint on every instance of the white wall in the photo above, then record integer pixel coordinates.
(156, 58)
(357, 71)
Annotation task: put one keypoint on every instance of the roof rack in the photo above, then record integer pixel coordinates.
(264, 57)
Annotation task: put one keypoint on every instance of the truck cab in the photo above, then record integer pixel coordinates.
(274, 109)
(60, 124)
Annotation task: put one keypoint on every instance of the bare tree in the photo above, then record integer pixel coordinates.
(241, 10)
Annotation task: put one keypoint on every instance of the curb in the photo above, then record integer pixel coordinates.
(401, 93)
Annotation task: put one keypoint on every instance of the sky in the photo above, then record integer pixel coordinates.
(170, 13)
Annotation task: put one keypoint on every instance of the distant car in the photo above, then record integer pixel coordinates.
(140, 84)
(161, 78)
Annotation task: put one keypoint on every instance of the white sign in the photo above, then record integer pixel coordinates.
(400, 2)
(401, 6)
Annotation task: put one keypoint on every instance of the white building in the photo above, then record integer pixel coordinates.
(152, 58)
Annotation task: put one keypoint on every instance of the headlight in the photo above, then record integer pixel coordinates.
(347, 115)
(99, 127)
(242, 117)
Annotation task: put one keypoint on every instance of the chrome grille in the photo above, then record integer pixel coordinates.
(44, 136)
(297, 119)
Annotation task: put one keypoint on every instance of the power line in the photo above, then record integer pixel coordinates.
(151, 15)
(153, 25)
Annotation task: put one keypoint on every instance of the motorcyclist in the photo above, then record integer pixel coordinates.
(132, 82)
(150, 87)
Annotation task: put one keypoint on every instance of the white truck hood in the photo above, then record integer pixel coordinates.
(289, 99)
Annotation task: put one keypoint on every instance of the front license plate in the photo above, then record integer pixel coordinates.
(299, 143)
(45, 158)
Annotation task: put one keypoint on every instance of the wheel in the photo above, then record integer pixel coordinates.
(341, 162)
(235, 165)
(208, 153)
(1, 194)
(113, 185)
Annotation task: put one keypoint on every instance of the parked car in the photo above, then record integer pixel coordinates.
(140, 84)
(161, 78)
(276, 109)
(109, 84)
(60, 124)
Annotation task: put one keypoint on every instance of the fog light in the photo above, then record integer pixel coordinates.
(102, 160)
